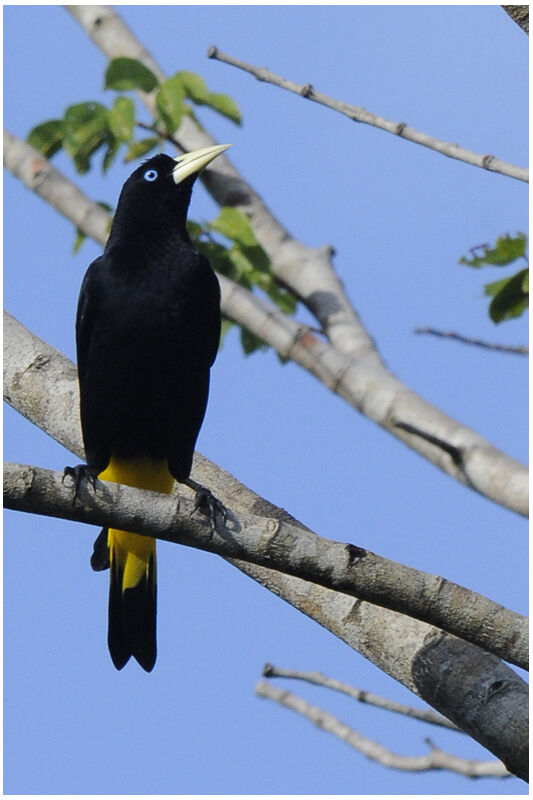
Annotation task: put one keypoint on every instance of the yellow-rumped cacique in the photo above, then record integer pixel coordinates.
(147, 333)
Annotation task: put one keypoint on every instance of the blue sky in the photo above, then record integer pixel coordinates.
(399, 217)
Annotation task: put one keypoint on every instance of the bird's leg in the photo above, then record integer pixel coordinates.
(100, 554)
(78, 473)
(207, 503)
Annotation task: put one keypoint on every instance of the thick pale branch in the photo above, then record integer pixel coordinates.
(39, 175)
(281, 544)
(361, 695)
(453, 676)
(435, 759)
(368, 387)
(359, 114)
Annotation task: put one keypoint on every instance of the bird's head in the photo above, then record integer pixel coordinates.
(157, 194)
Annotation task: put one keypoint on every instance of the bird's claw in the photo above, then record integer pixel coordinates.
(78, 473)
(208, 504)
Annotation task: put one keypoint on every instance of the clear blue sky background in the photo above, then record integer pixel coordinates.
(399, 217)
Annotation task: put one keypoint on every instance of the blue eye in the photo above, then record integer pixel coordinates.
(150, 175)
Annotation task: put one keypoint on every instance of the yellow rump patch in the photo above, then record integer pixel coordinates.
(132, 551)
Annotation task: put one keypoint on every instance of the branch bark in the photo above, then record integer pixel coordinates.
(359, 114)
(435, 759)
(282, 544)
(520, 15)
(361, 695)
(368, 387)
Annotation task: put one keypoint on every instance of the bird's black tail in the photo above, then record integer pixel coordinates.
(132, 562)
(132, 599)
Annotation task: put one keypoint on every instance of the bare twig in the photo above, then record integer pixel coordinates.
(458, 337)
(520, 15)
(361, 695)
(435, 759)
(359, 114)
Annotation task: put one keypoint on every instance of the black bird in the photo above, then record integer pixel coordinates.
(147, 333)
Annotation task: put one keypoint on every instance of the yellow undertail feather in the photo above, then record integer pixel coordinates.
(133, 588)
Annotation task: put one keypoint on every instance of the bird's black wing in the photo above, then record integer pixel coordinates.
(212, 309)
(96, 452)
(199, 319)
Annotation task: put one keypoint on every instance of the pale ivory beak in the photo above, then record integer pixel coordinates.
(191, 163)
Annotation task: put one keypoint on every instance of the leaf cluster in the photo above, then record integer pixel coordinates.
(510, 295)
(243, 260)
(87, 128)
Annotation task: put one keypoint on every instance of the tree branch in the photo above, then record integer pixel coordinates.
(361, 695)
(359, 114)
(281, 544)
(368, 387)
(436, 759)
(520, 15)
(458, 337)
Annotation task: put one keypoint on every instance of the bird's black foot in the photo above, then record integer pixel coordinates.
(208, 504)
(100, 556)
(78, 473)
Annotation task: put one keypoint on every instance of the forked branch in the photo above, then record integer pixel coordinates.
(435, 759)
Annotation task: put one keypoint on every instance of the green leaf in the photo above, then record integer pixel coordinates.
(78, 241)
(193, 86)
(122, 118)
(251, 265)
(492, 289)
(194, 229)
(82, 118)
(141, 148)
(234, 225)
(250, 342)
(86, 128)
(47, 137)
(257, 256)
(112, 148)
(218, 257)
(509, 298)
(507, 249)
(225, 105)
(197, 91)
(243, 269)
(123, 74)
(282, 298)
(169, 100)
